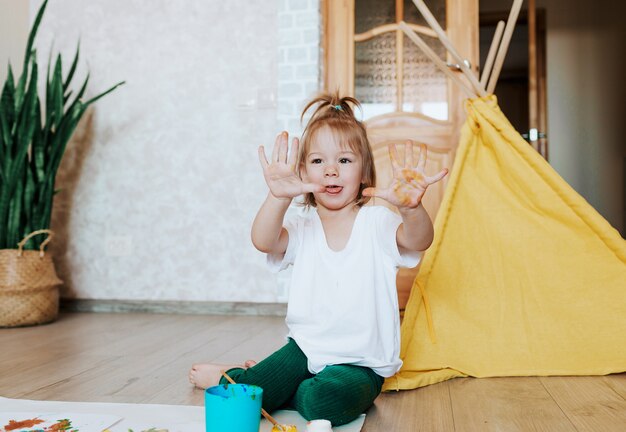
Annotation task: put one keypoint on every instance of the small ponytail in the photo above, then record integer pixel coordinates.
(337, 113)
(331, 106)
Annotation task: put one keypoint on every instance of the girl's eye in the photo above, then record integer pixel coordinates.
(316, 161)
(344, 160)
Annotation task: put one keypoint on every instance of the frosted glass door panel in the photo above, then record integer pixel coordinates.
(377, 61)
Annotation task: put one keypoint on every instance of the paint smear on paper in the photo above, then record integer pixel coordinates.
(21, 424)
(62, 425)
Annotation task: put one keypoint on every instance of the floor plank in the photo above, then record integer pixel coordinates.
(617, 382)
(516, 404)
(425, 409)
(589, 402)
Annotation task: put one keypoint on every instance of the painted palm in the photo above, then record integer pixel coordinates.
(33, 137)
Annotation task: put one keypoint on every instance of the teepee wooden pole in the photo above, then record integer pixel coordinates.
(435, 58)
(495, 43)
(432, 22)
(504, 46)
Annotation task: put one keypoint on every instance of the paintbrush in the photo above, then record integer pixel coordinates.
(269, 418)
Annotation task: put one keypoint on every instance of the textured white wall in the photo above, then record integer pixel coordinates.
(13, 36)
(162, 181)
(298, 60)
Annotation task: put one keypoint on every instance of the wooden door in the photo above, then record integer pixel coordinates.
(404, 95)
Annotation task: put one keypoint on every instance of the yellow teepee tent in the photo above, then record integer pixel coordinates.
(524, 277)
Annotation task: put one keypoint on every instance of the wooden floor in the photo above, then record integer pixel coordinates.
(145, 358)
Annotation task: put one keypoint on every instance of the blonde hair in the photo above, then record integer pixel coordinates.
(336, 113)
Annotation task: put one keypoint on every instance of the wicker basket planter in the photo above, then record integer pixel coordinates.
(29, 286)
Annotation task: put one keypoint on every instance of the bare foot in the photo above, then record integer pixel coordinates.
(206, 375)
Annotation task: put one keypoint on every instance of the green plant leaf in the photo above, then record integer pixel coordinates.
(48, 86)
(63, 135)
(29, 54)
(33, 33)
(15, 214)
(45, 212)
(29, 199)
(70, 74)
(95, 98)
(7, 101)
(56, 90)
(25, 123)
(38, 147)
(7, 118)
(80, 93)
(15, 184)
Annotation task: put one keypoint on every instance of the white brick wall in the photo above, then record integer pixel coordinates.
(298, 60)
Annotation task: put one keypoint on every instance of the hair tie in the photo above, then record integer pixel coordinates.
(338, 107)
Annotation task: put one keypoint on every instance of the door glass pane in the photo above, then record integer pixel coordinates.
(375, 59)
(373, 13)
(412, 14)
(425, 87)
(375, 80)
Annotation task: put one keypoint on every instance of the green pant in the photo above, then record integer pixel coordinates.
(339, 393)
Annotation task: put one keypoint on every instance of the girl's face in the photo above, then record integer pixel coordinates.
(334, 166)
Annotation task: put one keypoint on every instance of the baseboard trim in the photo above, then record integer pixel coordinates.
(173, 307)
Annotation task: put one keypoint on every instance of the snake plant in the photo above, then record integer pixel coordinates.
(33, 137)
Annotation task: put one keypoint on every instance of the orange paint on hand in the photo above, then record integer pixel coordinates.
(409, 187)
(13, 425)
(409, 175)
(400, 191)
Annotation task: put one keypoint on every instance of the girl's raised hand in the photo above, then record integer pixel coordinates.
(409, 182)
(280, 174)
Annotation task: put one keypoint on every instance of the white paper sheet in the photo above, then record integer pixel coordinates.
(139, 417)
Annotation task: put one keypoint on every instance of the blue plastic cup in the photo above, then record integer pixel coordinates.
(233, 407)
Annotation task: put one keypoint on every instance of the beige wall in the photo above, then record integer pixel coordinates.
(13, 35)
(584, 75)
(585, 82)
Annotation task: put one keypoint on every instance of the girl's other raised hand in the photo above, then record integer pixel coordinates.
(280, 173)
(409, 181)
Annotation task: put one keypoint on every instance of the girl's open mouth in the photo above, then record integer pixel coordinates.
(333, 189)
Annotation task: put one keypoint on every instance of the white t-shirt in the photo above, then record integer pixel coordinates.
(343, 306)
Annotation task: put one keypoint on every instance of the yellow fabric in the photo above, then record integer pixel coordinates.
(524, 277)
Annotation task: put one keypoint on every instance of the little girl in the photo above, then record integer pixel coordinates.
(343, 318)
